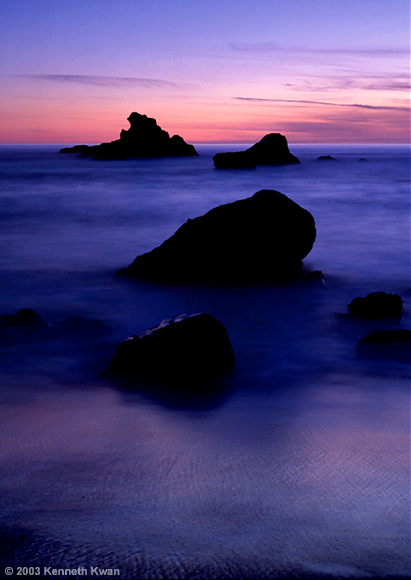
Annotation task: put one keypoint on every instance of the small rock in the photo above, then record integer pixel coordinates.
(272, 149)
(386, 336)
(181, 351)
(25, 318)
(377, 305)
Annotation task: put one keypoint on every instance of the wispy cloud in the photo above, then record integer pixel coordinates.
(307, 102)
(274, 47)
(110, 81)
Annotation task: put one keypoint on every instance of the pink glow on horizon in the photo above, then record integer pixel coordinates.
(211, 72)
(50, 122)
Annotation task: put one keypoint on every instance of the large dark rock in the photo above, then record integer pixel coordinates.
(261, 238)
(271, 150)
(184, 349)
(144, 138)
(377, 305)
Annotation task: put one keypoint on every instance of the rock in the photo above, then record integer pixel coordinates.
(387, 336)
(317, 276)
(144, 138)
(236, 160)
(24, 319)
(26, 325)
(377, 305)
(23, 326)
(261, 238)
(271, 150)
(362, 159)
(387, 344)
(184, 350)
(326, 158)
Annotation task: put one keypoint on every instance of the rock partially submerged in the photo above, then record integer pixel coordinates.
(26, 325)
(382, 344)
(234, 160)
(387, 336)
(144, 138)
(261, 238)
(271, 150)
(26, 318)
(377, 305)
(184, 350)
(326, 158)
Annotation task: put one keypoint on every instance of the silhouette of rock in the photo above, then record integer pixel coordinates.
(362, 159)
(386, 336)
(271, 150)
(236, 160)
(179, 351)
(24, 318)
(144, 138)
(377, 305)
(387, 344)
(326, 158)
(264, 237)
(26, 325)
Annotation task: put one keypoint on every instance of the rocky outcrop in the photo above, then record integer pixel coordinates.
(377, 305)
(261, 238)
(271, 150)
(26, 325)
(387, 336)
(326, 158)
(184, 350)
(144, 138)
(394, 345)
(236, 160)
(26, 318)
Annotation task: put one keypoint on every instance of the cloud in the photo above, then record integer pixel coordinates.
(273, 47)
(110, 81)
(307, 102)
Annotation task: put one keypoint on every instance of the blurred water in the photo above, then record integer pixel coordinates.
(298, 466)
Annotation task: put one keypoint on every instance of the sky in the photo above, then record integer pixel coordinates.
(317, 71)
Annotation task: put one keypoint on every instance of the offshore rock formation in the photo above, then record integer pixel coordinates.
(271, 150)
(377, 305)
(144, 138)
(184, 350)
(261, 238)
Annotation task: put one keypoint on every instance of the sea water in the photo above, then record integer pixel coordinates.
(297, 465)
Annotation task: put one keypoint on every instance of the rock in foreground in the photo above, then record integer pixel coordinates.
(184, 349)
(144, 138)
(261, 238)
(377, 305)
(271, 150)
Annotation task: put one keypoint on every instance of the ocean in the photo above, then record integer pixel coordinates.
(297, 466)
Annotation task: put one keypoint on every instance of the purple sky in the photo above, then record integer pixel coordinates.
(226, 70)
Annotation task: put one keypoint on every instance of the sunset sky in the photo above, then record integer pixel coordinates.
(216, 71)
